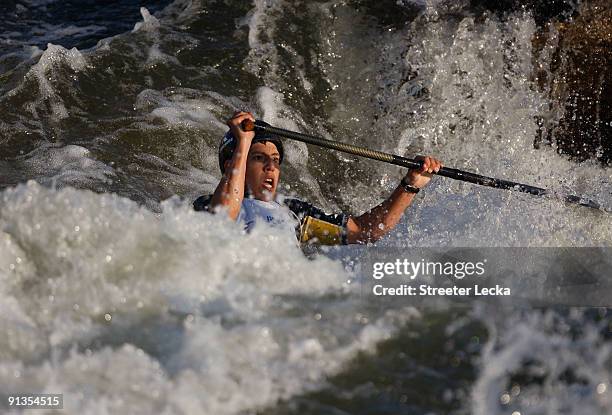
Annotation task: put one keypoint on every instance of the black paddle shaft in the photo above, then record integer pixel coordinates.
(465, 176)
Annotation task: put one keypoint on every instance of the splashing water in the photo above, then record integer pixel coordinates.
(127, 301)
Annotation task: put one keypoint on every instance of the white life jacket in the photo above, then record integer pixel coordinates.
(253, 211)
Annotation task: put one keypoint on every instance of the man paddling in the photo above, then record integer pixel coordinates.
(250, 163)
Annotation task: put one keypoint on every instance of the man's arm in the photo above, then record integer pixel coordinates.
(230, 190)
(372, 225)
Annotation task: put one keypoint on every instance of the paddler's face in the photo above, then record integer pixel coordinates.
(263, 170)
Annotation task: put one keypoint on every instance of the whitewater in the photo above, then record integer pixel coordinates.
(117, 294)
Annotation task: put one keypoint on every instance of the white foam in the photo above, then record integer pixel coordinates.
(125, 310)
(256, 20)
(263, 60)
(55, 55)
(53, 59)
(541, 345)
(181, 110)
(191, 113)
(149, 22)
(67, 165)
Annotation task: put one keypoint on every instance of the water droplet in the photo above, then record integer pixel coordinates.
(505, 399)
(317, 316)
(601, 388)
(107, 317)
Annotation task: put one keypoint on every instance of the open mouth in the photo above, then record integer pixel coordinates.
(268, 184)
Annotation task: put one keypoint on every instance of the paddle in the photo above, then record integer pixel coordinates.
(248, 125)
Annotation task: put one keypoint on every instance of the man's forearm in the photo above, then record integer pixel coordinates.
(230, 190)
(372, 225)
